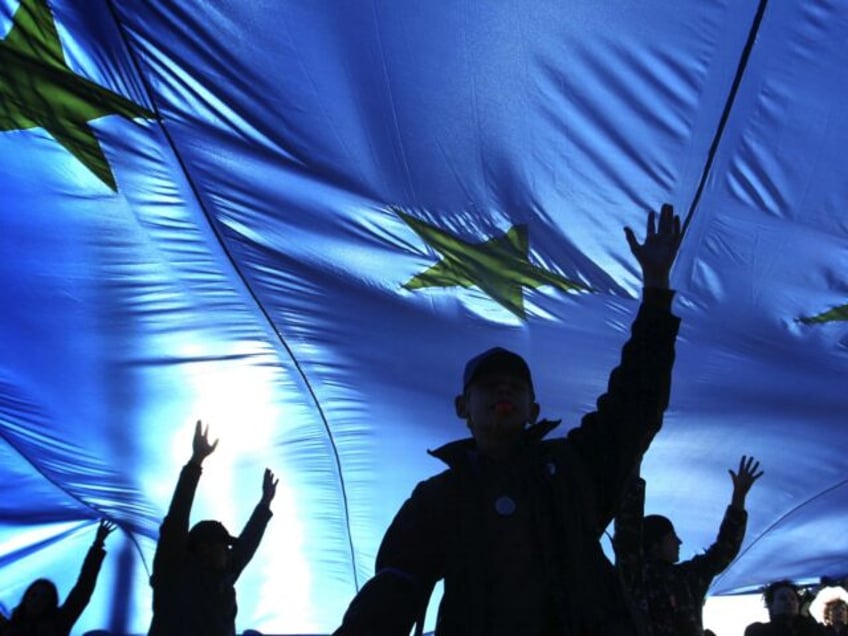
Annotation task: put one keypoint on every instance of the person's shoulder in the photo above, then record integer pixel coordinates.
(562, 449)
(437, 484)
(444, 476)
(437, 496)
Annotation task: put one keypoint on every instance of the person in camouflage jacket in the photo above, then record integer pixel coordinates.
(665, 595)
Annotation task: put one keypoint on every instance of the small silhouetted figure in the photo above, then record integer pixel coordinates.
(670, 594)
(194, 571)
(39, 612)
(513, 526)
(783, 601)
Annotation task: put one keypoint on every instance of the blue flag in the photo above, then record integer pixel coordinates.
(297, 221)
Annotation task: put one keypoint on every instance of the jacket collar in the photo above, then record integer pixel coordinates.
(456, 452)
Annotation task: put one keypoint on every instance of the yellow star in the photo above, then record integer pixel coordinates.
(38, 89)
(500, 266)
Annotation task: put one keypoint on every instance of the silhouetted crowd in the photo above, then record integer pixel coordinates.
(512, 526)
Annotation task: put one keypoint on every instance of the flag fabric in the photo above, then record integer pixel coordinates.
(297, 220)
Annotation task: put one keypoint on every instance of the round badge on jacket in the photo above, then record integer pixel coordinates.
(504, 506)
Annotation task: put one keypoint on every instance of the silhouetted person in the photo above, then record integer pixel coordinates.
(513, 526)
(39, 612)
(194, 571)
(672, 594)
(783, 601)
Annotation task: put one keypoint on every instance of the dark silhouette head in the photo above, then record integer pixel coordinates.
(210, 542)
(659, 540)
(40, 599)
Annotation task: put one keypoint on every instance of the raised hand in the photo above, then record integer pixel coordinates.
(201, 448)
(104, 529)
(749, 472)
(269, 486)
(656, 255)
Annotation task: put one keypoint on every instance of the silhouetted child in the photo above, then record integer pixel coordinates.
(39, 612)
(194, 571)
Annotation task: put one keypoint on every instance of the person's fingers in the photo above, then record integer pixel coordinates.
(652, 224)
(666, 218)
(631, 240)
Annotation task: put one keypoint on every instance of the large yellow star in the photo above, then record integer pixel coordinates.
(500, 266)
(39, 90)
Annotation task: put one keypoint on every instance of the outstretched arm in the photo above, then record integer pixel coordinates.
(269, 488)
(732, 531)
(80, 594)
(174, 530)
(749, 472)
(612, 439)
(249, 539)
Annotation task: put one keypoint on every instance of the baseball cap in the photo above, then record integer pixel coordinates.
(496, 360)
